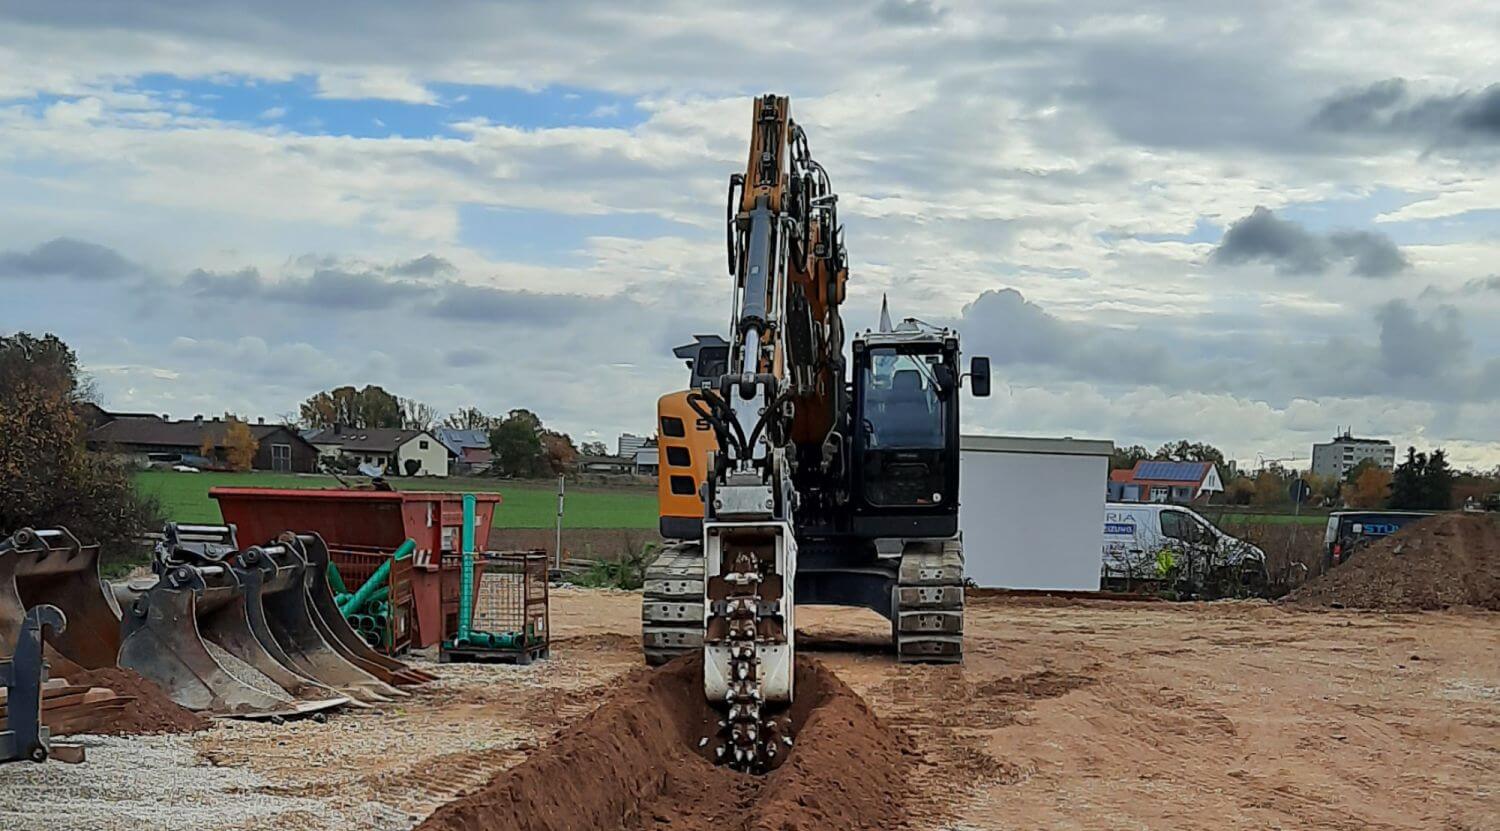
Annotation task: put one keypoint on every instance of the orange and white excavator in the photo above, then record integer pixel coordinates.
(792, 472)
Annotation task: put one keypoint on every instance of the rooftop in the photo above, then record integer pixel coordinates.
(151, 430)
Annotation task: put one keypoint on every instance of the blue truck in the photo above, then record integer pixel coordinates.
(1348, 531)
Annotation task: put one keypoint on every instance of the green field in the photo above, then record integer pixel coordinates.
(184, 497)
(1268, 519)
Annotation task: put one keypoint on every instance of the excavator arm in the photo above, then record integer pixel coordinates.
(782, 392)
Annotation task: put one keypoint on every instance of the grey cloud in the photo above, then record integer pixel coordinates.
(909, 12)
(429, 265)
(1413, 347)
(227, 285)
(331, 287)
(67, 257)
(325, 288)
(459, 301)
(1263, 237)
(1374, 255)
(1475, 286)
(1013, 331)
(335, 289)
(1390, 107)
(468, 356)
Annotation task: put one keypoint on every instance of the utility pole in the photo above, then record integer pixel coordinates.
(557, 542)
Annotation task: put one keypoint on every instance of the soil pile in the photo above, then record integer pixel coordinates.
(635, 763)
(1440, 562)
(151, 711)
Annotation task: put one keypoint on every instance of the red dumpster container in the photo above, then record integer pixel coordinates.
(371, 519)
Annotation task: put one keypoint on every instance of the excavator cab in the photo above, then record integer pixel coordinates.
(904, 425)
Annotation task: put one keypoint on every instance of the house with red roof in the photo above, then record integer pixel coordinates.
(1157, 481)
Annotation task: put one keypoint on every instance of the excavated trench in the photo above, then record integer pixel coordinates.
(635, 763)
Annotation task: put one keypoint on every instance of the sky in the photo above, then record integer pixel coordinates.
(1247, 224)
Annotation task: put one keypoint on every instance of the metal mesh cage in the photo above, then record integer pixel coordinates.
(512, 600)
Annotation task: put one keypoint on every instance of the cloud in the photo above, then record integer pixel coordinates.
(458, 301)
(1263, 237)
(468, 356)
(1390, 107)
(1413, 347)
(373, 84)
(909, 12)
(67, 257)
(1015, 332)
(427, 265)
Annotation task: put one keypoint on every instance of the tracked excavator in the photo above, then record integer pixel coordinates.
(794, 472)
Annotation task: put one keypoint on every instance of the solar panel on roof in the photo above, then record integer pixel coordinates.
(1170, 471)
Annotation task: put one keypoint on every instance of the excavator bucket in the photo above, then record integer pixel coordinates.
(285, 609)
(51, 567)
(335, 628)
(191, 634)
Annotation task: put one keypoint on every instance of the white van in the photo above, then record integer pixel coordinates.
(1205, 558)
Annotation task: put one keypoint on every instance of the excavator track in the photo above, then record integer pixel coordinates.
(928, 624)
(672, 607)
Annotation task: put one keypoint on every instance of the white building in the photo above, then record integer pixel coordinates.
(1336, 458)
(400, 452)
(628, 444)
(1031, 511)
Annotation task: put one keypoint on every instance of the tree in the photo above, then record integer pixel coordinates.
(559, 451)
(469, 418)
(1408, 483)
(47, 477)
(1271, 486)
(368, 407)
(594, 448)
(1239, 491)
(1371, 489)
(516, 443)
(416, 415)
(1124, 458)
(1437, 482)
(1358, 470)
(1183, 450)
(240, 444)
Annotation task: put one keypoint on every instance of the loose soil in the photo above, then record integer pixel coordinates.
(1450, 560)
(1066, 713)
(150, 712)
(638, 763)
(578, 543)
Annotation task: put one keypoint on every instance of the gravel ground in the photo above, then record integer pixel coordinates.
(246, 674)
(158, 782)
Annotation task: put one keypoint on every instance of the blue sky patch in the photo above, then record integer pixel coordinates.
(294, 105)
(548, 238)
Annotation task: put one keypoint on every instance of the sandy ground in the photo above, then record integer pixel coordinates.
(1076, 715)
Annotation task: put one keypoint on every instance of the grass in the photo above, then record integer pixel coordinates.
(525, 504)
(1271, 519)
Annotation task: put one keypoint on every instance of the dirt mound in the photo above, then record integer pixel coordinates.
(1440, 562)
(635, 763)
(151, 711)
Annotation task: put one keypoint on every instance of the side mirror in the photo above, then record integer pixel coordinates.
(979, 376)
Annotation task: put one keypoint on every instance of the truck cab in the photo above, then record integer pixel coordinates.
(1348, 531)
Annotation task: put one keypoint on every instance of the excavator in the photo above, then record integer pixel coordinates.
(794, 472)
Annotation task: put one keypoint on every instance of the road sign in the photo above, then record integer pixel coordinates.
(1299, 491)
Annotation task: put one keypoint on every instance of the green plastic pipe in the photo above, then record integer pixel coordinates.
(466, 576)
(365, 592)
(336, 580)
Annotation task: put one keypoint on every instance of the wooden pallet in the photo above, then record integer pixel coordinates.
(68, 708)
(473, 655)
